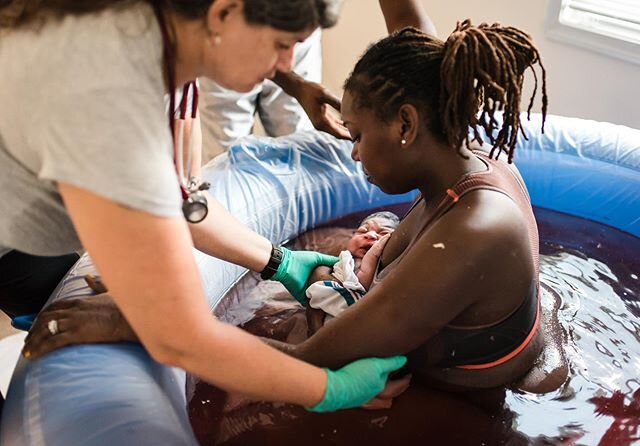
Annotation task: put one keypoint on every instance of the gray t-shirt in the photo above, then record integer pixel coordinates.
(82, 102)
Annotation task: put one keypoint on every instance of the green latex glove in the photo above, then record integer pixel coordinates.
(356, 383)
(295, 269)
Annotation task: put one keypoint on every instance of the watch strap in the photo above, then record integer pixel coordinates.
(274, 263)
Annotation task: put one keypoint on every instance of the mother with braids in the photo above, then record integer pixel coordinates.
(456, 287)
(86, 160)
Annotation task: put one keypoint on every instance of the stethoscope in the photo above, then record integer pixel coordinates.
(194, 202)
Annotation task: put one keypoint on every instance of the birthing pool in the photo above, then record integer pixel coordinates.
(592, 268)
(116, 394)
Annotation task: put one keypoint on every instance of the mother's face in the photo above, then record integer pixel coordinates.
(376, 144)
(245, 54)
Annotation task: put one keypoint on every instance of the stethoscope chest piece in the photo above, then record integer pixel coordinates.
(195, 207)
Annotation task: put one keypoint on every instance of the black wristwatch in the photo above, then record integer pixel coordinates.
(274, 262)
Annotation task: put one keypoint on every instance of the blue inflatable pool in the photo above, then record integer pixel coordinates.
(117, 395)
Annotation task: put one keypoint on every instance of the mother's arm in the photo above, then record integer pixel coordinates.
(425, 291)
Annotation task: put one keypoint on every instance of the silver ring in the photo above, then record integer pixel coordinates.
(53, 327)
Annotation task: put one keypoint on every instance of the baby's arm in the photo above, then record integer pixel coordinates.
(319, 274)
(315, 319)
(315, 316)
(370, 261)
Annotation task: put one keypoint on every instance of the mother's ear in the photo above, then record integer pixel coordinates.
(408, 122)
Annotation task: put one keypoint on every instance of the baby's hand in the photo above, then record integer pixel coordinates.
(376, 250)
(370, 261)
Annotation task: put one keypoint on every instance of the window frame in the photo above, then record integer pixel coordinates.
(609, 46)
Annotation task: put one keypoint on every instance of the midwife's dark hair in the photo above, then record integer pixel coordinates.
(459, 85)
(285, 15)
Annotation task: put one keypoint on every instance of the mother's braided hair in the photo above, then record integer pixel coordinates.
(478, 69)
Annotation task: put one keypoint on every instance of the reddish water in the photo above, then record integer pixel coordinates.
(594, 269)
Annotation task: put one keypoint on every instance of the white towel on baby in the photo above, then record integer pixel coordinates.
(333, 297)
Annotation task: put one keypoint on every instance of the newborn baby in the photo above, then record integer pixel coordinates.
(334, 290)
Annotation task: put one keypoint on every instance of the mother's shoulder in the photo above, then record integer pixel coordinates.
(483, 213)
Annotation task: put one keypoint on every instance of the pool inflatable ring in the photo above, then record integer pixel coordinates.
(115, 394)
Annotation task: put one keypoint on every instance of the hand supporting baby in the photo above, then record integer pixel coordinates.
(316, 316)
(370, 262)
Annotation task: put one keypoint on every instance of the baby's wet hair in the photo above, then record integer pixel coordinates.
(459, 85)
(387, 216)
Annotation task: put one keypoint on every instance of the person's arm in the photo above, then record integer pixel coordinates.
(321, 273)
(402, 13)
(316, 101)
(147, 263)
(315, 319)
(436, 281)
(316, 316)
(221, 235)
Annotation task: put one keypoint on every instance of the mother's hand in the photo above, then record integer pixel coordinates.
(77, 321)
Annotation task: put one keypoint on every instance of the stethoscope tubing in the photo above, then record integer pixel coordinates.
(191, 187)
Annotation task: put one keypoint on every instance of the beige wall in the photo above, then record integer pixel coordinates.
(581, 83)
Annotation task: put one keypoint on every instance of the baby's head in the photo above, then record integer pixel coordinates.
(372, 228)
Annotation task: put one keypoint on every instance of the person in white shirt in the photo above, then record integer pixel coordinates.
(227, 115)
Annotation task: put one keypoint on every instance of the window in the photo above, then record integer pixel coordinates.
(608, 26)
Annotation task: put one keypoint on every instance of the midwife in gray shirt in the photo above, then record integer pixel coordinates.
(86, 161)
